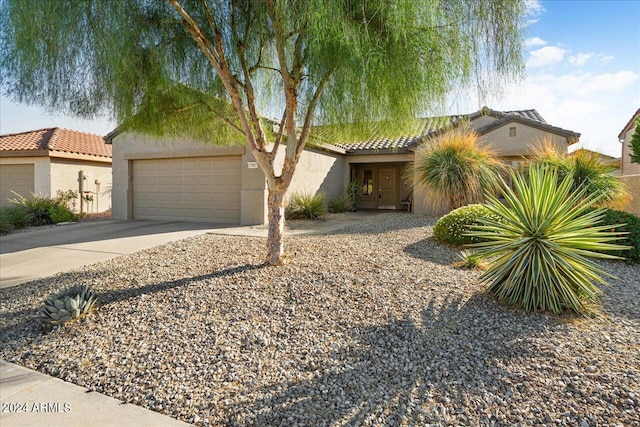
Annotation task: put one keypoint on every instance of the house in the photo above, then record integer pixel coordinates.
(45, 161)
(183, 180)
(630, 171)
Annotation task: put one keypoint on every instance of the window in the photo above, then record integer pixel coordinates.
(512, 131)
(367, 182)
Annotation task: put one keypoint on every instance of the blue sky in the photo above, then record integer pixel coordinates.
(583, 74)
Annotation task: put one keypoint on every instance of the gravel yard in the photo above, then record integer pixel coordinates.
(369, 325)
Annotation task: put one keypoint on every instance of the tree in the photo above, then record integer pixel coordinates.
(635, 144)
(457, 168)
(213, 69)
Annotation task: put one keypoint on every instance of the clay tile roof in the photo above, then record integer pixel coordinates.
(56, 139)
(433, 125)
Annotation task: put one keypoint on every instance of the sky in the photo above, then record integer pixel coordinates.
(582, 74)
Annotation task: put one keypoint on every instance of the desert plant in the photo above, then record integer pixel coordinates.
(453, 228)
(456, 168)
(69, 198)
(43, 210)
(306, 205)
(13, 218)
(68, 304)
(539, 253)
(470, 260)
(353, 194)
(339, 204)
(587, 169)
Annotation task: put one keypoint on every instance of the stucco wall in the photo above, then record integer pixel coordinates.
(41, 170)
(522, 144)
(316, 171)
(64, 176)
(628, 168)
(128, 147)
(632, 183)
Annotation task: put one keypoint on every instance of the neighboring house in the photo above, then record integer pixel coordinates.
(169, 179)
(45, 161)
(630, 171)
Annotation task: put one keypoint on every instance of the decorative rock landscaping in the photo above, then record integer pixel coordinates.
(369, 325)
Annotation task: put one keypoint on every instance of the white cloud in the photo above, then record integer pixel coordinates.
(547, 55)
(534, 41)
(580, 59)
(596, 105)
(605, 59)
(533, 10)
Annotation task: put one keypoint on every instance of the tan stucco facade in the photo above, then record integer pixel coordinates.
(317, 171)
(627, 167)
(128, 147)
(330, 170)
(53, 174)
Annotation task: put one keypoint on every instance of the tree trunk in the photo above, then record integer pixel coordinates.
(275, 240)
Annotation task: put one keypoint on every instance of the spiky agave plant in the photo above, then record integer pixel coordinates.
(540, 251)
(68, 304)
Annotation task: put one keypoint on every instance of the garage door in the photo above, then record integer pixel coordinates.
(187, 189)
(18, 178)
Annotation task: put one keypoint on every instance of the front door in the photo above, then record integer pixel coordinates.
(387, 189)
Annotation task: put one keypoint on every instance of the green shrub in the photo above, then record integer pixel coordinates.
(339, 205)
(306, 206)
(630, 233)
(452, 228)
(6, 226)
(539, 254)
(13, 218)
(44, 211)
(60, 213)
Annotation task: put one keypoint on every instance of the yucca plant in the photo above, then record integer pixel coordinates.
(457, 168)
(540, 250)
(68, 304)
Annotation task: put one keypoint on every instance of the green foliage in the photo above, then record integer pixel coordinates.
(68, 304)
(384, 60)
(635, 144)
(68, 197)
(44, 211)
(456, 168)
(540, 251)
(627, 226)
(587, 169)
(309, 206)
(470, 260)
(339, 204)
(13, 218)
(353, 194)
(453, 228)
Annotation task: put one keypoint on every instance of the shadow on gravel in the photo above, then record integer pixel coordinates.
(25, 322)
(430, 250)
(396, 368)
(111, 297)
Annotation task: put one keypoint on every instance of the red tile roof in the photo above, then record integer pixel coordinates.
(56, 139)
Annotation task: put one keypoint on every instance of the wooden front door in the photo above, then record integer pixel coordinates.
(387, 188)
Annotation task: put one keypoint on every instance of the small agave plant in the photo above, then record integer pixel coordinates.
(68, 304)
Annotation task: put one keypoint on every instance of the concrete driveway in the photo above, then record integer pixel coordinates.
(41, 253)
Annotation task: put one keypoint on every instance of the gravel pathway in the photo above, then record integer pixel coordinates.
(370, 325)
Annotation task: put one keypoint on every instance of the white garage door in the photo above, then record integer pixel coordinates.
(18, 178)
(187, 189)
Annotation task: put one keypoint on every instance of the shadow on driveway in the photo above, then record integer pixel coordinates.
(96, 231)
